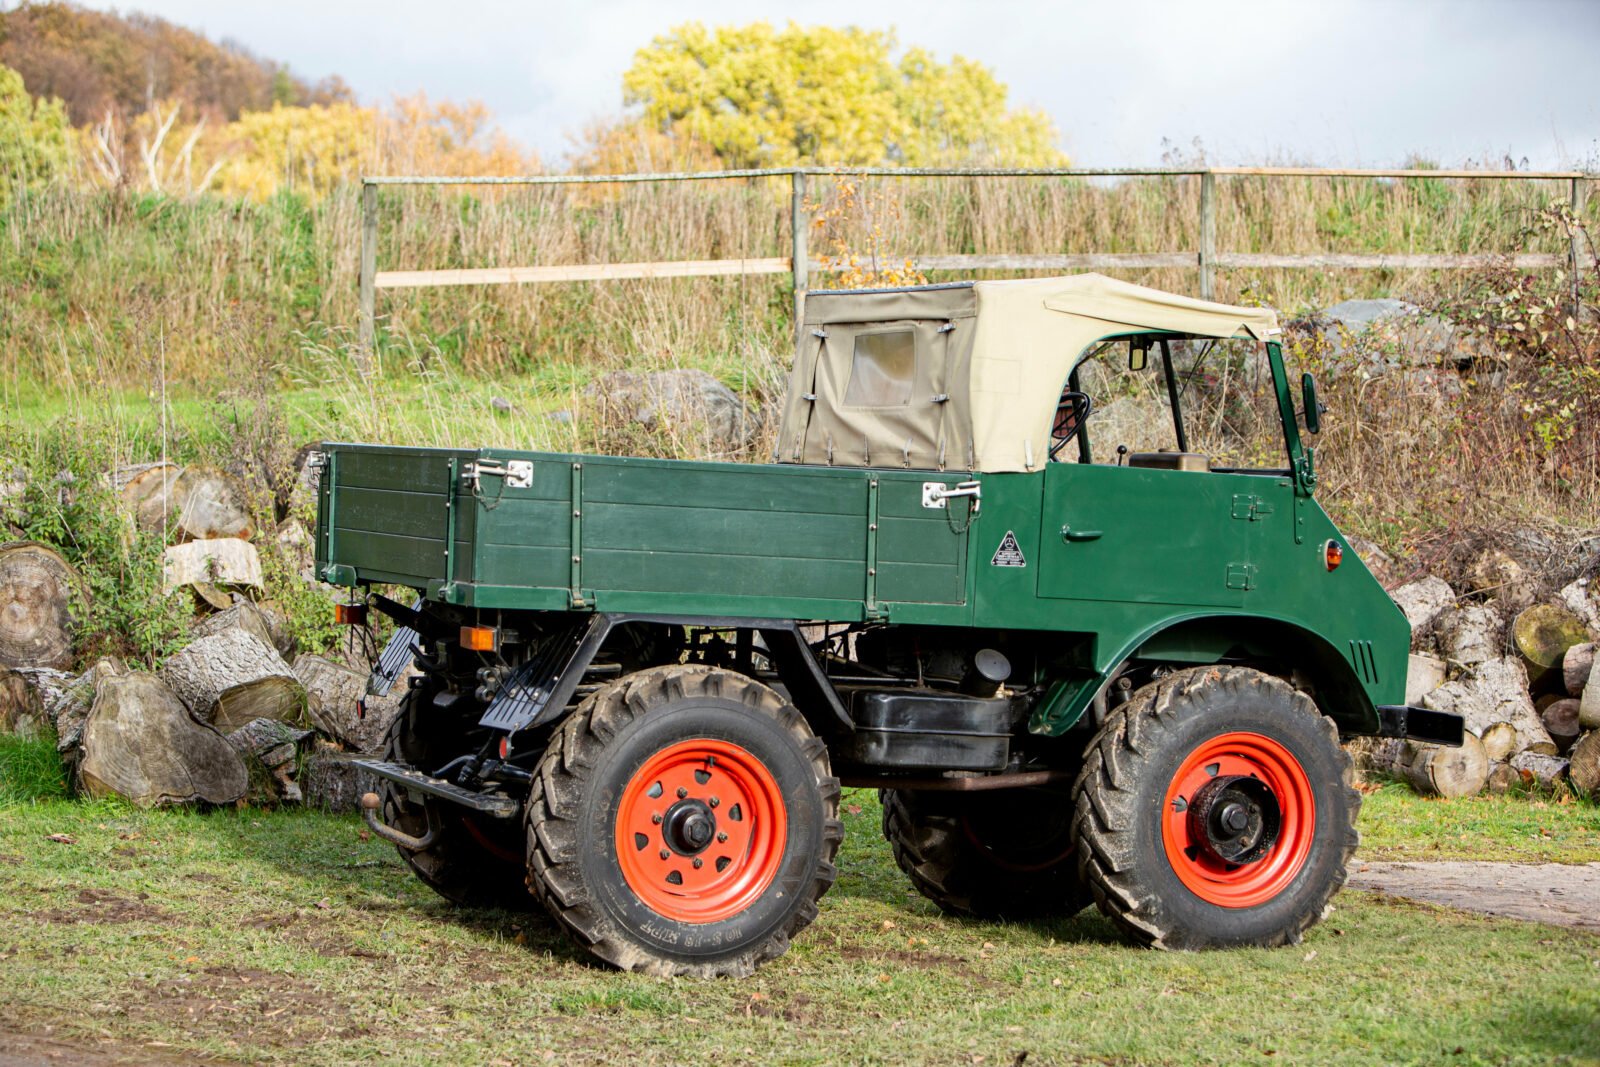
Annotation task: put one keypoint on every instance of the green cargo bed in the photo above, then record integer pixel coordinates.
(556, 532)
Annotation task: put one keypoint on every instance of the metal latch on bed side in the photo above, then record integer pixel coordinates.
(934, 494)
(518, 473)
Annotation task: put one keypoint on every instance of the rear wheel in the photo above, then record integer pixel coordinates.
(1215, 808)
(1002, 854)
(684, 821)
(473, 861)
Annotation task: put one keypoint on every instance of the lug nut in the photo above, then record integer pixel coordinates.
(698, 863)
(656, 818)
(713, 802)
(682, 792)
(666, 855)
(722, 837)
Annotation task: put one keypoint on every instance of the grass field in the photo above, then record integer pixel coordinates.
(284, 937)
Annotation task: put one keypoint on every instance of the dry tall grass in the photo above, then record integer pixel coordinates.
(126, 290)
(83, 273)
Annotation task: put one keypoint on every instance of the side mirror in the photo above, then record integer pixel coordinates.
(1138, 354)
(1308, 399)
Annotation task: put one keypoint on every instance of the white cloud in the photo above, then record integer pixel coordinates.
(1337, 81)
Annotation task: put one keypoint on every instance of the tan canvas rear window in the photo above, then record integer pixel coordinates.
(882, 370)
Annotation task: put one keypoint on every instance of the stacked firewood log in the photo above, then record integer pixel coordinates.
(239, 713)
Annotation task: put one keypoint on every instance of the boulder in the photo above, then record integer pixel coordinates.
(681, 400)
(1378, 336)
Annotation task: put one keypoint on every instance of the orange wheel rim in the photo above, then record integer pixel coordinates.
(701, 829)
(1239, 820)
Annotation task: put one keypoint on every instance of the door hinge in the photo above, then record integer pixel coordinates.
(1241, 576)
(1250, 507)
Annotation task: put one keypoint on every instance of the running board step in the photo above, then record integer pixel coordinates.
(495, 805)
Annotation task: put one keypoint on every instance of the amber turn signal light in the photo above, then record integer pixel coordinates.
(350, 614)
(1332, 555)
(480, 638)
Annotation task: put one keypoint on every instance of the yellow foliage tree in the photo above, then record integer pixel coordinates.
(304, 149)
(766, 97)
(33, 136)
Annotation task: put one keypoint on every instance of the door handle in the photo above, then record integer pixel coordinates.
(1069, 534)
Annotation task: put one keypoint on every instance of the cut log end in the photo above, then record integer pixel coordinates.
(1542, 634)
(37, 587)
(1435, 770)
(1584, 765)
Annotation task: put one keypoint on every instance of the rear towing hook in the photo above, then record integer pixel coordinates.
(370, 805)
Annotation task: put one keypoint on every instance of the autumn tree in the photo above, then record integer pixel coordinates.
(760, 96)
(33, 136)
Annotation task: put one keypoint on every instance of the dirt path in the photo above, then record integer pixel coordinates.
(1556, 893)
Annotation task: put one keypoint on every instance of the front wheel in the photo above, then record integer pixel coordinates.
(683, 821)
(1215, 808)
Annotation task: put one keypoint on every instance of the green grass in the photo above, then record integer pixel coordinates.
(1396, 824)
(30, 771)
(284, 937)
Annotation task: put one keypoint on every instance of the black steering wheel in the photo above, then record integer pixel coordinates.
(1072, 411)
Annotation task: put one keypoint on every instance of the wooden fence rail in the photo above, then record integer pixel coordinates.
(1206, 260)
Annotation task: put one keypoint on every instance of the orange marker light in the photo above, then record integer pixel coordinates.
(1332, 555)
(350, 614)
(480, 638)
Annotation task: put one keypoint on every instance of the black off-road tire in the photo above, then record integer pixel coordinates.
(475, 862)
(598, 769)
(1121, 802)
(1004, 854)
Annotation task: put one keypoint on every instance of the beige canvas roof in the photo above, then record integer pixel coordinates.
(991, 359)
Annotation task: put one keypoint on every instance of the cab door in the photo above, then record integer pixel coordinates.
(1138, 535)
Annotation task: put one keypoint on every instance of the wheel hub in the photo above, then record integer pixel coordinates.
(1235, 818)
(700, 830)
(688, 827)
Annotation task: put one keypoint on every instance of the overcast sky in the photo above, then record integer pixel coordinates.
(1313, 81)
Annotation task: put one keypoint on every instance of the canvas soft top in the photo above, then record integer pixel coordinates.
(966, 376)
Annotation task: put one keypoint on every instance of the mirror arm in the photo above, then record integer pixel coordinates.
(1172, 396)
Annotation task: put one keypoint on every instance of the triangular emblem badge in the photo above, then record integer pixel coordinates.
(1009, 554)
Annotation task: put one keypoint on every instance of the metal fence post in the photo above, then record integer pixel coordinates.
(1208, 236)
(799, 223)
(367, 331)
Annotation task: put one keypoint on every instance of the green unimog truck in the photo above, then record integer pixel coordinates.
(1074, 674)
